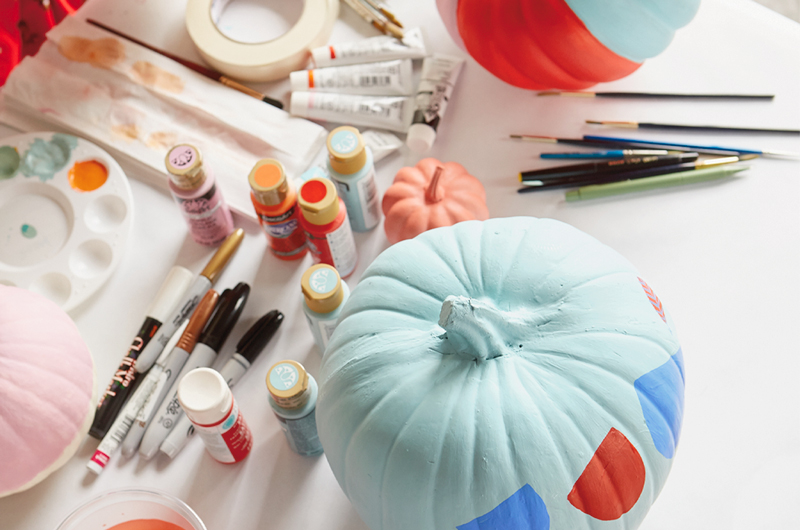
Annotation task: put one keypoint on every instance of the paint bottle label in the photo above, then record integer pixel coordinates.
(209, 218)
(228, 440)
(322, 330)
(286, 238)
(342, 248)
(302, 434)
(361, 200)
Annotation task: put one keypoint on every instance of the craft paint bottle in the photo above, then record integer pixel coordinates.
(324, 294)
(324, 220)
(209, 404)
(275, 201)
(293, 398)
(195, 190)
(351, 168)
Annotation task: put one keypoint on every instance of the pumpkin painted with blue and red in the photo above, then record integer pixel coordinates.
(566, 44)
(502, 373)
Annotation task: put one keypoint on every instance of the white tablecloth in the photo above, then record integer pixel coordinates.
(724, 259)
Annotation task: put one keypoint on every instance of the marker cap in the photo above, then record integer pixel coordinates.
(256, 338)
(223, 255)
(229, 309)
(170, 448)
(420, 137)
(170, 293)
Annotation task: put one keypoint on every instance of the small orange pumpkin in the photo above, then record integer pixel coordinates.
(429, 195)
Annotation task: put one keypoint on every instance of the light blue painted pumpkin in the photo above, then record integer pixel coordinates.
(506, 374)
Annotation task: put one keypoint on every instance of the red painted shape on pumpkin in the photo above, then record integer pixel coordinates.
(612, 481)
(537, 44)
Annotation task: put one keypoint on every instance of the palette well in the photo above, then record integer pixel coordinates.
(66, 215)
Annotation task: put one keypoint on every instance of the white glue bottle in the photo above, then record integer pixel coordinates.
(209, 404)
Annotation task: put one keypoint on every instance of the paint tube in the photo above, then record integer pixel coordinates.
(391, 112)
(381, 143)
(439, 75)
(388, 78)
(382, 48)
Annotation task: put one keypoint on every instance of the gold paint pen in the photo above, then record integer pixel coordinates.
(190, 300)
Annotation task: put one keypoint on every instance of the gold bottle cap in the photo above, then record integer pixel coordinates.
(268, 181)
(287, 382)
(223, 255)
(322, 288)
(319, 202)
(185, 165)
(346, 152)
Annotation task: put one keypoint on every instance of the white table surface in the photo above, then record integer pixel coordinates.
(724, 258)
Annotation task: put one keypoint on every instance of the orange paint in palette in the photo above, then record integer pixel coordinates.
(87, 176)
(146, 524)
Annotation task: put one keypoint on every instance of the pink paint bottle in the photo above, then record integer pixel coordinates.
(195, 190)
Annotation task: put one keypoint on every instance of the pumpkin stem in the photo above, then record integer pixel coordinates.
(431, 195)
(472, 327)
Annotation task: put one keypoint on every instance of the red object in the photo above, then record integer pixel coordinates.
(23, 24)
(612, 481)
(533, 44)
(282, 226)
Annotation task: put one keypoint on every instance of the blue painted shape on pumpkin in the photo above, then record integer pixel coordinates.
(524, 510)
(660, 394)
(635, 29)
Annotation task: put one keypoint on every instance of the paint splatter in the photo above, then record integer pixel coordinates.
(126, 131)
(524, 510)
(102, 53)
(87, 176)
(28, 231)
(152, 76)
(161, 140)
(612, 481)
(9, 162)
(660, 394)
(44, 159)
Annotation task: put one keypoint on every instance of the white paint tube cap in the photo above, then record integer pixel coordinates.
(420, 137)
(204, 396)
(321, 55)
(300, 80)
(170, 293)
(299, 104)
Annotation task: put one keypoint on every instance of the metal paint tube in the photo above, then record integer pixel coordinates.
(387, 112)
(387, 78)
(439, 76)
(383, 48)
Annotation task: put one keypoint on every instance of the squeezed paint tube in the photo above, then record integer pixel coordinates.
(382, 48)
(390, 112)
(387, 78)
(439, 75)
(381, 143)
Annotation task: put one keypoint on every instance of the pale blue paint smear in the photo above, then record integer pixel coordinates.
(635, 29)
(45, 158)
(28, 231)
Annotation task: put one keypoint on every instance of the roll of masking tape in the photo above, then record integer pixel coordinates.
(263, 61)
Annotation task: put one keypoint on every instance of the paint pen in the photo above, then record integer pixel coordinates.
(190, 300)
(229, 308)
(210, 406)
(169, 371)
(126, 377)
(351, 168)
(387, 78)
(383, 48)
(293, 398)
(121, 426)
(439, 76)
(324, 296)
(275, 201)
(386, 112)
(324, 220)
(195, 190)
(248, 349)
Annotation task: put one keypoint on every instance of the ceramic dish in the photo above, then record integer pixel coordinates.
(133, 509)
(65, 215)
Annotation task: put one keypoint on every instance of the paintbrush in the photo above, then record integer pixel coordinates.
(709, 128)
(707, 149)
(651, 95)
(585, 142)
(384, 25)
(200, 69)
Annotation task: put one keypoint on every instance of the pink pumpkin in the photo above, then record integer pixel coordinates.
(430, 195)
(46, 389)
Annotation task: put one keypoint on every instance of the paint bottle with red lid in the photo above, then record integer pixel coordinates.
(327, 228)
(275, 201)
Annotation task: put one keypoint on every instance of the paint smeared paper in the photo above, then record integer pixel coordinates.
(101, 53)
(44, 159)
(152, 76)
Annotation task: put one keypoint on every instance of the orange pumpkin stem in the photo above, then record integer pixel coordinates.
(431, 195)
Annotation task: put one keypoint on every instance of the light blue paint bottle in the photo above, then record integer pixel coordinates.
(324, 294)
(350, 165)
(293, 398)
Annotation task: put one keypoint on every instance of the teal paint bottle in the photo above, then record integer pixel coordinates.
(293, 398)
(350, 165)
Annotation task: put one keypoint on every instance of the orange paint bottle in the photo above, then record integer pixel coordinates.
(275, 201)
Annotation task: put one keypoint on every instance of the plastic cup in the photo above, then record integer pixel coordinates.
(122, 506)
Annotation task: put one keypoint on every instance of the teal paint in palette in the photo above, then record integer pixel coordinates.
(351, 167)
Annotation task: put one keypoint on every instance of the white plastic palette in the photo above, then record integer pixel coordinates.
(55, 239)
